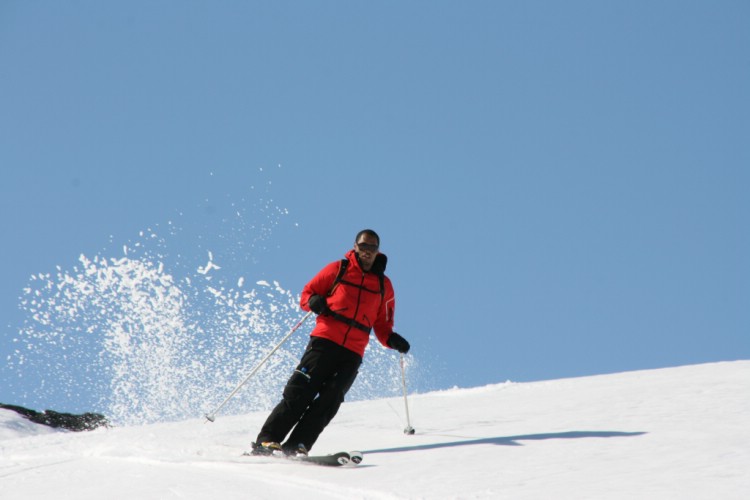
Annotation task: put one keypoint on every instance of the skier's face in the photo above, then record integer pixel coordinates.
(367, 249)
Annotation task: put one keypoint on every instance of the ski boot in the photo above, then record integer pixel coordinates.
(265, 448)
(295, 451)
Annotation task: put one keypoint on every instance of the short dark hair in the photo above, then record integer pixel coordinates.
(368, 232)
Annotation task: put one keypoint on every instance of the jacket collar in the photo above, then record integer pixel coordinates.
(378, 267)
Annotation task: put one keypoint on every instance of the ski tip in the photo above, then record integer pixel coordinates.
(356, 457)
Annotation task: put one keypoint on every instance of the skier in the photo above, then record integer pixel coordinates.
(350, 297)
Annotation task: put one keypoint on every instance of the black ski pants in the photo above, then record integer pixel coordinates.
(313, 394)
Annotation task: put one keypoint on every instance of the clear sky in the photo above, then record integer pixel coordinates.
(562, 188)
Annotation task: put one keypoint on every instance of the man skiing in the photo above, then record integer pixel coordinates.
(350, 297)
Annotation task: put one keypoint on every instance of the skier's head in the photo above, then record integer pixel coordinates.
(367, 244)
(368, 232)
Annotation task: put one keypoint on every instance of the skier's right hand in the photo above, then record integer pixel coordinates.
(317, 304)
(396, 341)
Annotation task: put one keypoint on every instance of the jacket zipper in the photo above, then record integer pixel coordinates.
(356, 309)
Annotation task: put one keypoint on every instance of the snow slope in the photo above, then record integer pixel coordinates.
(678, 433)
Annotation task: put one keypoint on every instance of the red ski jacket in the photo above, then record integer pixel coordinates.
(357, 296)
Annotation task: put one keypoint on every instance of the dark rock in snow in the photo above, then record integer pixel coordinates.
(70, 421)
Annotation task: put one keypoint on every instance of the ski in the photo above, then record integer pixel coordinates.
(334, 460)
(342, 458)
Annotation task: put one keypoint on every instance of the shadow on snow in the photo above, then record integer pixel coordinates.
(511, 440)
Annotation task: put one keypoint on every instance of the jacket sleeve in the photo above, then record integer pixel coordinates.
(384, 324)
(320, 284)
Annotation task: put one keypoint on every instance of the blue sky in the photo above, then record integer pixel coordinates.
(561, 187)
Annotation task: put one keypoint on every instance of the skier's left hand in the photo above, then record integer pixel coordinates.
(396, 341)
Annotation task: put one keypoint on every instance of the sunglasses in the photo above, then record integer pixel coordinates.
(366, 247)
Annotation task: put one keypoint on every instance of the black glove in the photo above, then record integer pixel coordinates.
(396, 341)
(317, 304)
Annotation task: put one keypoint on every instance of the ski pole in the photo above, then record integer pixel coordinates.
(409, 429)
(210, 417)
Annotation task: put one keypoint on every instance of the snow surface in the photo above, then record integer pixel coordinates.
(678, 433)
